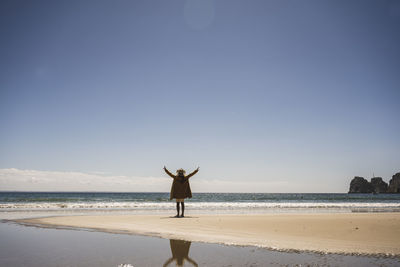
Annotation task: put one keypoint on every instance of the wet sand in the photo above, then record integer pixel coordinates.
(39, 247)
(348, 233)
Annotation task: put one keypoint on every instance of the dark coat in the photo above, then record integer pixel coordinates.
(180, 186)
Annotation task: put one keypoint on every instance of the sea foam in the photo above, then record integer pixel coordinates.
(382, 206)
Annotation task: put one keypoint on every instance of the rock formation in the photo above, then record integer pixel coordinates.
(360, 185)
(378, 185)
(394, 184)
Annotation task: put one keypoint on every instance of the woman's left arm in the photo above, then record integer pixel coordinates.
(193, 173)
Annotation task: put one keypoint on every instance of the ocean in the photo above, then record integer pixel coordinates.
(201, 202)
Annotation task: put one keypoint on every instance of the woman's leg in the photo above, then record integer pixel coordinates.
(183, 208)
(177, 209)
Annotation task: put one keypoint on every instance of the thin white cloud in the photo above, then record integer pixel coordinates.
(36, 180)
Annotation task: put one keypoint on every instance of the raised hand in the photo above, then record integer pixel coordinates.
(193, 173)
(170, 174)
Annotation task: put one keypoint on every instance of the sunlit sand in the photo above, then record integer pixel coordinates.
(364, 233)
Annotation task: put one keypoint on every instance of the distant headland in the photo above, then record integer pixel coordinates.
(376, 185)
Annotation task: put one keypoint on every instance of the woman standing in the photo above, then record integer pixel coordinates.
(180, 188)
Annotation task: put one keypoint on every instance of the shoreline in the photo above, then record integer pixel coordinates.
(374, 234)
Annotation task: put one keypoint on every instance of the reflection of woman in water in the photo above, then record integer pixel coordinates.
(180, 188)
(180, 252)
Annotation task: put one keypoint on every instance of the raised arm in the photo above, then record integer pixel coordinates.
(170, 174)
(193, 173)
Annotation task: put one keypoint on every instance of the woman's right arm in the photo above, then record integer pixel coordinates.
(170, 174)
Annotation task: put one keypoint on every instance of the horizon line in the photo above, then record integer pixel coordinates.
(167, 192)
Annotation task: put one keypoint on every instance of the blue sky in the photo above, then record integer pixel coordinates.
(299, 96)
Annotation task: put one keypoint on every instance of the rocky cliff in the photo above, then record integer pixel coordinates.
(360, 185)
(394, 184)
(377, 185)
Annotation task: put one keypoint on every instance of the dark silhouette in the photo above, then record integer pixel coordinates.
(360, 185)
(376, 186)
(180, 252)
(394, 184)
(180, 188)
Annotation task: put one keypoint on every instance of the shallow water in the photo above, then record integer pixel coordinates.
(33, 246)
(208, 202)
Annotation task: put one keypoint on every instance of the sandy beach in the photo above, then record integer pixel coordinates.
(360, 233)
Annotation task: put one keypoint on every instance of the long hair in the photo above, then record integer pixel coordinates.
(181, 174)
